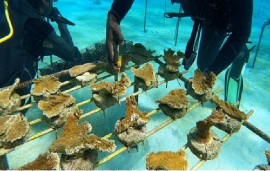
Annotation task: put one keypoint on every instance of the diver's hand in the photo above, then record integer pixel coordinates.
(114, 37)
(55, 14)
(187, 62)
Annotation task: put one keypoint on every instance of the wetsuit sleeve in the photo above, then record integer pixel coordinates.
(120, 8)
(38, 31)
(61, 48)
(35, 32)
(241, 20)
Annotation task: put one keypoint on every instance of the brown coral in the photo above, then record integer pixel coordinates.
(230, 109)
(13, 130)
(204, 142)
(167, 161)
(55, 104)
(139, 54)
(201, 84)
(146, 74)
(81, 69)
(75, 139)
(134, 117)
(106, 94)
(46, 85)
(116, 89)
(47, 161)
(176, 99)
(204, 126)
(172, 60)
(9, 99)
(60, 120)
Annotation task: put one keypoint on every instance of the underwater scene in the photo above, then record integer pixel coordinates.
(153, 114)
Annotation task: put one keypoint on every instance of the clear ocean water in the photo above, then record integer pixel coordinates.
(243, 151)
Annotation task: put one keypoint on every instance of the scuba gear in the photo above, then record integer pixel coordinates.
(234, 77)
(5, 22)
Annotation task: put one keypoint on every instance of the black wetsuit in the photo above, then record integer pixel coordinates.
(120, 8)
(212, 54)
(240, 18)
(19, 54)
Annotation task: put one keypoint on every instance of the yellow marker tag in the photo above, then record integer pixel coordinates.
(119, 61)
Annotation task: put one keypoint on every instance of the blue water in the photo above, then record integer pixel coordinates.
(244, 150)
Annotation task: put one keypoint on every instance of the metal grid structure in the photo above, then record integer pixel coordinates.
(3, 152)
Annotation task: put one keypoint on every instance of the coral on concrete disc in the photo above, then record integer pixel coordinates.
(176, 99)
(55, 104)
(45, 86)
(167, 161)
(132, 129)
(81, 69)
(172, 60)
(146, 73)
(75, 139)
(106, 94)
(14, 130)
(201, 84)
(9, 100)
(202, 141)
(47, 161)
(229, 109)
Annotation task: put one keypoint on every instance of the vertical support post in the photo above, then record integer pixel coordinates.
(135, 89)
(177, 27)
(51, 60)
(259, 42)
(3, 162)
(145, 12)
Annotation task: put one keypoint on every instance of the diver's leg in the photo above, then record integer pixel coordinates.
(241, 22)
(234, 79)
(210, 43)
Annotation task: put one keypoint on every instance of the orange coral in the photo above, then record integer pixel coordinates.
(75, 139)
(5, 94)
(146, 73)
(230, 109)
(55, 104)
(47, 161)
(46, 85)
(204, 126)
(201, 84)
(116, 89)
(176, 99)
(81, 69)
(167, 161)
(13, 129)
(134, 117)
(172, 60)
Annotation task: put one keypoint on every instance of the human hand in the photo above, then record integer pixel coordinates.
(187, 62)
(55, 14)
(114, 37)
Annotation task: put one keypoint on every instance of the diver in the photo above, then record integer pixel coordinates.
(31, 38)
(221, 30)
(224, 27)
